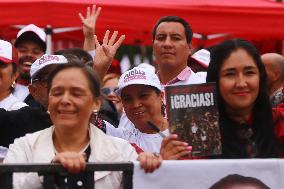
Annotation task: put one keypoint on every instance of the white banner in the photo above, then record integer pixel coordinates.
(201, 174)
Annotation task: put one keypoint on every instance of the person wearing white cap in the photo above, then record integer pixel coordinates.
(39, 72)
(199, 62)
(30, 45)
(8, 74)
(142, 99)
(28, 119)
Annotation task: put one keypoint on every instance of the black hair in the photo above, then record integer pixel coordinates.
(14, 68)
(90, 74)
(163, 107)
(236, 180)
(187, 28)
(81, 54)
(262, 121)
(30, 36)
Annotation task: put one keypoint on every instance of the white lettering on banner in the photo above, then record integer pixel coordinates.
(201, 174)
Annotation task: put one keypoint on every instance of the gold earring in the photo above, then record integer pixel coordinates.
(13, 84)
(94, 116)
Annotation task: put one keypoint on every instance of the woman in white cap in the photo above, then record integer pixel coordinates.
(73, 140)
(8, 74)
(142, 99)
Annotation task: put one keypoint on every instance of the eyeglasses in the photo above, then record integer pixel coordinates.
(42, 80)
(107, 90)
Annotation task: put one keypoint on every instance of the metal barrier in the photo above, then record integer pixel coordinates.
(49, 172)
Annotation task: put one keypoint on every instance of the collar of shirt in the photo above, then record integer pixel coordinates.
(182, 76)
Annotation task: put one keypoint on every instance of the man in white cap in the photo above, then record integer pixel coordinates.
(39, 72)
(30, 45)
(29, 119)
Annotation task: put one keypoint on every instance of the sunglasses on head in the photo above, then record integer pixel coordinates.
(107, 90)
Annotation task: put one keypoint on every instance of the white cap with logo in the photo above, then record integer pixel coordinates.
(138, 76)
(6, 52)
(202, 57)
(44, 61)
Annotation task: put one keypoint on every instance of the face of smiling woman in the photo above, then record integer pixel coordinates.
(71, 101)
(141, 104)
(239, 81)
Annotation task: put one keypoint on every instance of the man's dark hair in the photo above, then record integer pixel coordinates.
(187, 28)
(238, 180)
(81, 54)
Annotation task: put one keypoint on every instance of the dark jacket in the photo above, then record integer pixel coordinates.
(17, 123)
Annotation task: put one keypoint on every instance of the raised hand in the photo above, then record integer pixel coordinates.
(89, 23)
(105, 53)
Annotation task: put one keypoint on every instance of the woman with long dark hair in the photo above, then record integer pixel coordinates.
(246, 121)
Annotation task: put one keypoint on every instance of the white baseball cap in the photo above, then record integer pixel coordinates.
(6, 52)
(33, 33)
(44, 61)
(202, 57)
(138, 76)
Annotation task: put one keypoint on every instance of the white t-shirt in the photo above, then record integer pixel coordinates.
(147, 142)
(21, 91)
(11, 103)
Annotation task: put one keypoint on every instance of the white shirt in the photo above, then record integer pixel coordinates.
(11, 103)
(38, 148)
(21, 91)
(147, 142)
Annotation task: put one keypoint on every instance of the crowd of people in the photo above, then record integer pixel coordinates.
(66, 108)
